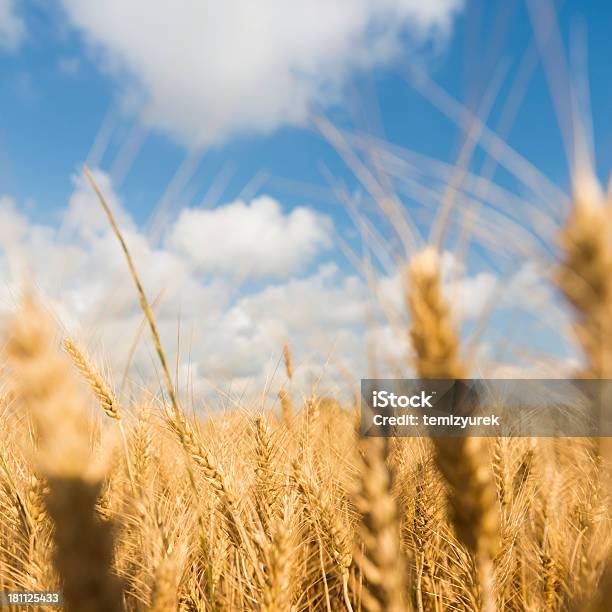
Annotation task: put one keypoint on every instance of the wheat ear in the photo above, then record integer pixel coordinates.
(265, 487)
(277, 594)
(462, 461)
(584, 274)
(104, 394)
(99, 386)
(288, 361)
(286, 407)
(379, 556)
(319, 509)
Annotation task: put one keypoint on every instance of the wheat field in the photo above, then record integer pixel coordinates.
(143, 505)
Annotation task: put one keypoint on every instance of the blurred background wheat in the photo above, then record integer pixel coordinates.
(143, 506)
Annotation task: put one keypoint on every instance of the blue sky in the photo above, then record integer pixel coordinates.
(56, 97)
(84, 82)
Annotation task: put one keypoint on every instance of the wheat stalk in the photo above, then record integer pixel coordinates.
(423, 524)
(176, 420)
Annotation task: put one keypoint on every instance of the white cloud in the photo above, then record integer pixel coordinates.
(13, 225)
(254, 238)
(321, 313)
(80, 270)
(12, 28)
(226, 335)
(206, 70)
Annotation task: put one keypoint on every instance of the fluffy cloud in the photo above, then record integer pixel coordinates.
(11, 25)
(221, 336)
(224, 336)
(204, 70)
(256, 239)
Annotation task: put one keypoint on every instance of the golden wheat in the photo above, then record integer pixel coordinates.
(102, 390)
(290, 512)
(462, 461)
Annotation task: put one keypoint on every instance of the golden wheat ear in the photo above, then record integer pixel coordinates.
(378, 551)
(99, 386)
(83, 544)
(288, 361)
(320, 510)
(284, 396)
(281, 552)
(463, 462)
(287, 411)
(584, 276)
